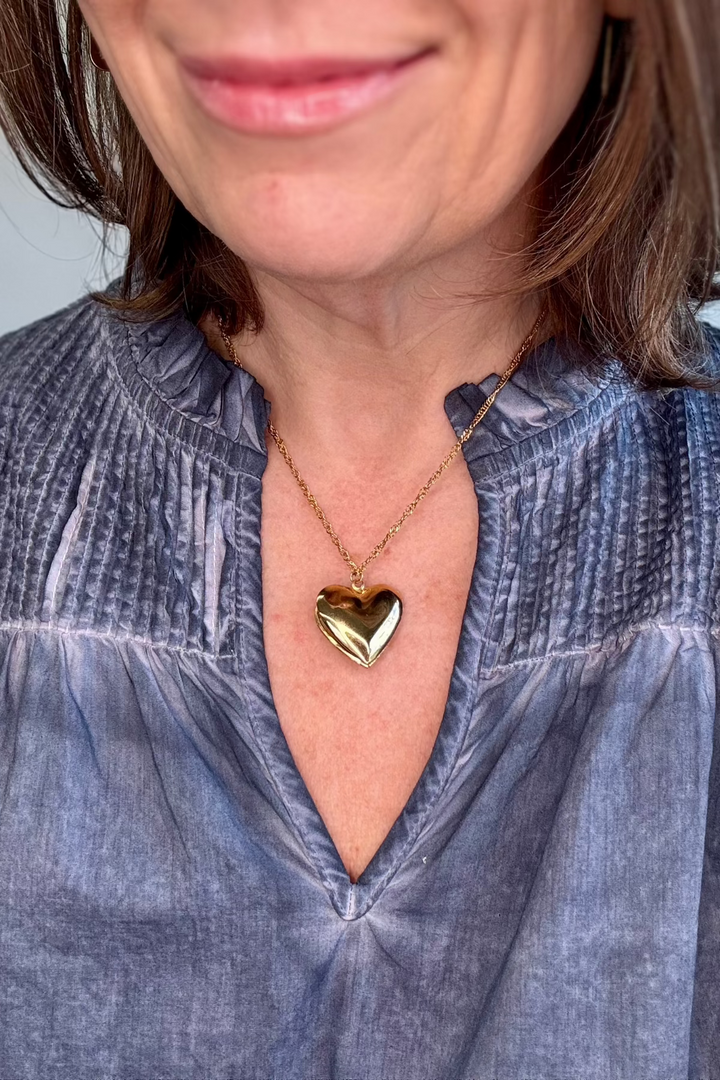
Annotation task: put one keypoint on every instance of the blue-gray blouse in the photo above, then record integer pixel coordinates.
(547, 905)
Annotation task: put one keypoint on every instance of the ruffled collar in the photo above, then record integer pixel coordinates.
(550, 397)
(173, 358)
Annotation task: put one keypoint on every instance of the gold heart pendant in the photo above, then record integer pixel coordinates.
(359, 624)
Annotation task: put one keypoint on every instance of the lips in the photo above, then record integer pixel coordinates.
(294, 96)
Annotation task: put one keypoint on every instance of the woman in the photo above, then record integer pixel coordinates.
(287, 793)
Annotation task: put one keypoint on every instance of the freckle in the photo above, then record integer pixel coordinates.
(274, 189)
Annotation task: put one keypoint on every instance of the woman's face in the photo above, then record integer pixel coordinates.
(341, 139)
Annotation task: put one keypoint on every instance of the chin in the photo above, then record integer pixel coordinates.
(323, 230)
(323, 264)
(320, 252)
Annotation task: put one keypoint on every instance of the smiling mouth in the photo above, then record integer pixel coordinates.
(293, 96)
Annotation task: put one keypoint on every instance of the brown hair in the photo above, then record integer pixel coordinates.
(628, 209)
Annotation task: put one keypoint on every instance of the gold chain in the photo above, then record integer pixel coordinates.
(357, 569)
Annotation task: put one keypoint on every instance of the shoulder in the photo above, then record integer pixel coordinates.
(56, 397)
(45, 357)
(685, 422)
(689, 428)
(702, 409)
(707, 363)
(59, 386)
(55, 376)
(675, 434)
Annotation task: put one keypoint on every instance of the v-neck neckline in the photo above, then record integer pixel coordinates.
(350, 899)
(205, 401)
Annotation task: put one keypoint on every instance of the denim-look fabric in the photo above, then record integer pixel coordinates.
(546, 907)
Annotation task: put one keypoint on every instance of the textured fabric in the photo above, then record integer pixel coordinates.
(547, 905)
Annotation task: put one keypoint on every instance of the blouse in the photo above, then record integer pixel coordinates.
(172, 907)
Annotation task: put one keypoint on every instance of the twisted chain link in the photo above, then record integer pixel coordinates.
(357, 569)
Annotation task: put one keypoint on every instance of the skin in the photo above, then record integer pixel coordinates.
(365, 242)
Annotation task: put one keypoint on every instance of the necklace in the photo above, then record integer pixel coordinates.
(360, 620)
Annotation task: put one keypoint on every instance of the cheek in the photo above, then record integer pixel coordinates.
(142, 67)
(112, 20)
(530, 65)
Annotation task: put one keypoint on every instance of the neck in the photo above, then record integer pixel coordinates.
(355, 371)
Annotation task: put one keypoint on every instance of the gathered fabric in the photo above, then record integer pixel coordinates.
(172, 907)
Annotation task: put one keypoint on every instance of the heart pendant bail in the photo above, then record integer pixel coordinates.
(357, 581)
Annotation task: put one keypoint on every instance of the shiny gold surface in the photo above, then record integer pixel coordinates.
(360, 623)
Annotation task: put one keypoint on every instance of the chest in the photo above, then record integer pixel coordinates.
(361, 738)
